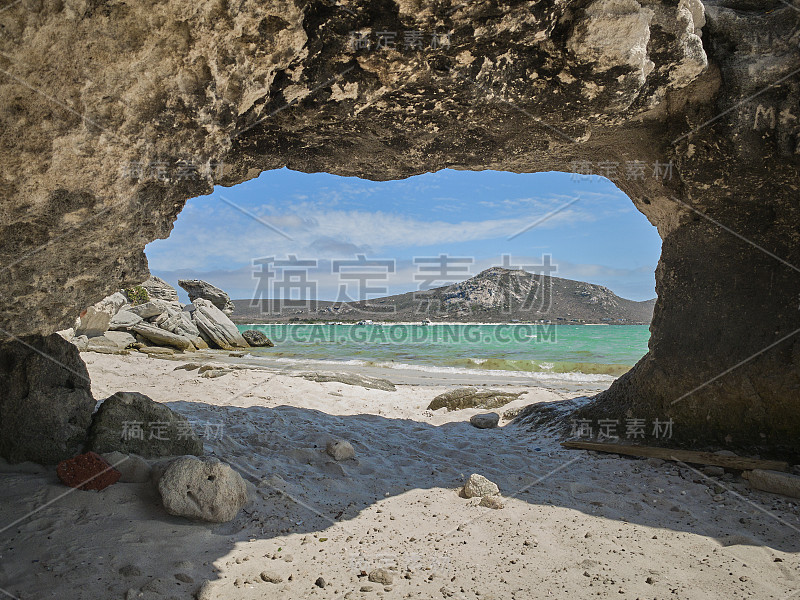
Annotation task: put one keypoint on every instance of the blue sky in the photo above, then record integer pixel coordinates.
(594, 232)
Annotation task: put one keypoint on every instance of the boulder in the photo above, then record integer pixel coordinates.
(485, 420)
(162, 337)
(111, 342)
(477, 486)
(46, 402)
(149, 309)
(470, 397)
(124, 319)
(96, 319)
(217, 326)
(197, 288)
(88, 471)
(93, 322)
(340, 450)
(257, 339)
(112, 304)
(206, 489)
(158, 289)
(67, 334)
(130, 422)
(180, 323)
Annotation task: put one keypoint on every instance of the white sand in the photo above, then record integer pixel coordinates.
(574, 525)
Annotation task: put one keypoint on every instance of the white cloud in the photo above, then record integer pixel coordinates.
(221, 237)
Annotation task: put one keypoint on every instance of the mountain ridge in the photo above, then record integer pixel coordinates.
(496, 294)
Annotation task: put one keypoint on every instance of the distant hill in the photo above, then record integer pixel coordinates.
(494, 295)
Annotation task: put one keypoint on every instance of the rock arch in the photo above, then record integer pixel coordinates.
(106, 106)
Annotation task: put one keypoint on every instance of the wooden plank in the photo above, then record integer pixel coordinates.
(688, 456)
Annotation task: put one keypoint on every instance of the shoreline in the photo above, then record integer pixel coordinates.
(404, 373)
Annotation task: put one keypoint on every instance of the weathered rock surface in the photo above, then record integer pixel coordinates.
(197, 288)
(365, 381)
(180, 323)
(92, 322)
(162, 337)
(477, 486)
(206, 489)
(216, 325)
(124, 319)
(158, 289)
(470, 397)
(88, 471)
(257, 339)
(132, 423)
(112, 342)
(689, 107)
(46, 402)
(152, 308)
(485, 420)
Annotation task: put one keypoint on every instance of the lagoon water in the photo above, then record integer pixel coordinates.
(540, 351)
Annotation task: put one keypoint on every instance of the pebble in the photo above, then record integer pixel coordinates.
(340, 450)
(477, 486)
(320, 582)
(492, 502)
(382, 576)
(271, 577)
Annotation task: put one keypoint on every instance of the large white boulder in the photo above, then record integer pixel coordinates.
(216, 325)
(161, 337)
(204, 489)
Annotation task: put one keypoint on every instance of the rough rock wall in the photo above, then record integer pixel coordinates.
(105, 104)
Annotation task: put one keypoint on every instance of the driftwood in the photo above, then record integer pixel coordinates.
(689, 456)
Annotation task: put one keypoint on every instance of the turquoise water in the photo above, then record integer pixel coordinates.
(579, 349)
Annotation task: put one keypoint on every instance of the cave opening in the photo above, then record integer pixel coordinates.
(304, 257)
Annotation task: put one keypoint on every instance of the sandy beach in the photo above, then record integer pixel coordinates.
(574, 524)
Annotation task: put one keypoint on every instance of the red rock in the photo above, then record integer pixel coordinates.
(88, 471)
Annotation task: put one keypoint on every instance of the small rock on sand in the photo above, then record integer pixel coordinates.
(492, 502)
(320, 582)
(477, 486)
(470, 397)
(485, 420)
(88, 471)
(382, 576)
(271, 577)
(340, 450)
